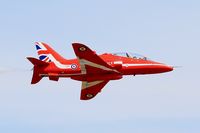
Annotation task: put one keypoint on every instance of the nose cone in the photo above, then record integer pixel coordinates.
(167, 68)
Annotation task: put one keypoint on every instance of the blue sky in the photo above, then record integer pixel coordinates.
(165, 31)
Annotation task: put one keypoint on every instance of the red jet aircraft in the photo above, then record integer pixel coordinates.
(95, 71)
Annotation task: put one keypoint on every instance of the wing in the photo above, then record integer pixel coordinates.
(90, 62)
(91, 89)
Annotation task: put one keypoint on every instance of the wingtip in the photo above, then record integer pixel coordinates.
(80, 47)
(78, 44)
(87, 96)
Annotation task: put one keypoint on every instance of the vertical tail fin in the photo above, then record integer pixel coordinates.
(38, 64)
(47, 54)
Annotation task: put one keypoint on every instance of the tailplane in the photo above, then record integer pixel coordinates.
(38, 65)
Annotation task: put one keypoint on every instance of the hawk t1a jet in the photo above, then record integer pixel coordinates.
(93, 70)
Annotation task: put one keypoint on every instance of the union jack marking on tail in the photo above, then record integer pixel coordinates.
(47, 54)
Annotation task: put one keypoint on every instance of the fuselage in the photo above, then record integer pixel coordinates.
(124, 65)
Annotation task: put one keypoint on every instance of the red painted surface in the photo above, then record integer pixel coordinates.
(95, 71)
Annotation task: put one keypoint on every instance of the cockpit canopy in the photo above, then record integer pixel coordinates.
(131, 55)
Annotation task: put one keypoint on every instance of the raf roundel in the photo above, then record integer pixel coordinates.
(73, 66)
(82, 49)
(89, 95)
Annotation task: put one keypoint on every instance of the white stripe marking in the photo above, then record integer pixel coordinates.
(143, 65)
(86, 84)
(58, 64)
(84, 62)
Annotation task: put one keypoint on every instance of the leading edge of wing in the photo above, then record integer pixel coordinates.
(89, 59)
(91, 89)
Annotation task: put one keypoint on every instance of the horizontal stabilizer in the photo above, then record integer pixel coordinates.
(37, 62)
